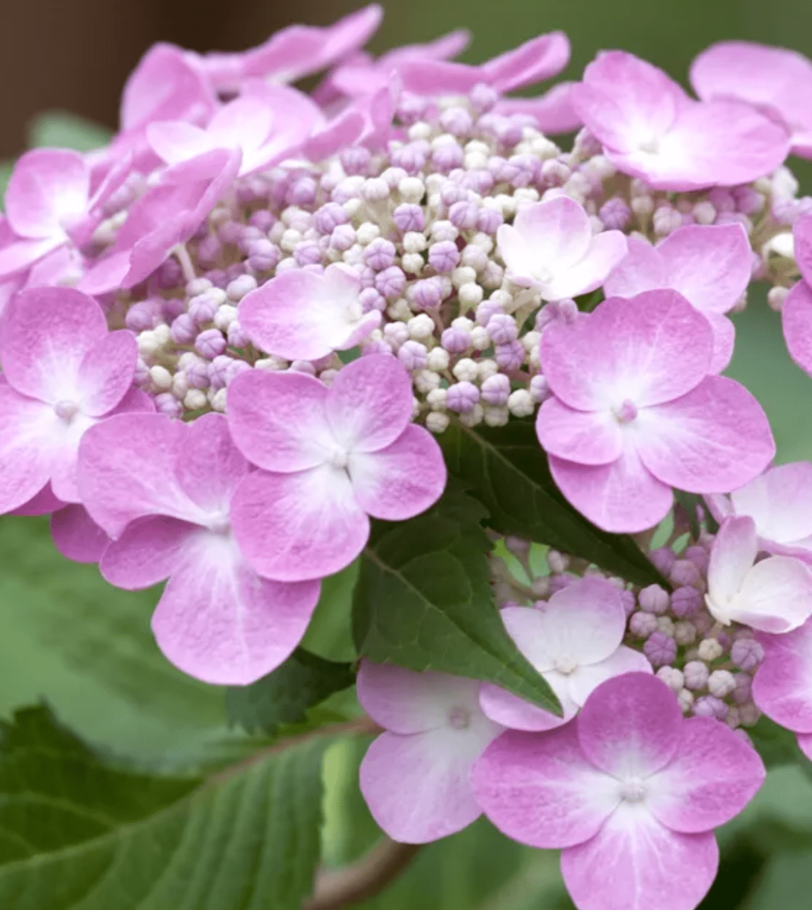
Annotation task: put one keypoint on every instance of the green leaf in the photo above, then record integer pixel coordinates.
(424, 601)
(283, 697)
(79, 833)
(329, 633)
(506, 469)
(785, 883)
(65, 130)
(775, 744)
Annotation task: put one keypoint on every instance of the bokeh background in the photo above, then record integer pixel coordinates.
(67, 637)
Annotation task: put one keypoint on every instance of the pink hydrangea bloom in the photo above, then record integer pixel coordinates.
(550, 246)
(782, 687)
(330, 458)
(76, 535)
(629, 790)
(302, 315)
(773, 595)
(634, 411)
(780, 503)
(62, 373)
(709, 265)
(163, 491)
(796, 313)
(415, 776)
(772, 79)
(651, 128)
(264, 127)
(575, 641)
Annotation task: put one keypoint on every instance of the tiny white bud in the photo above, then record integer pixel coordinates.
(290, 240)
(438, 359)
(224, 316)
(470, 294)
(414, 242)
(367, 232)
(672, 677)
(180, 385)
(420, 326)
(749, 714)
(162, 336)
(218, 400)
(425, 381)
(412, 263)
(666, 625)
(271, 364)
(399, 309)
(704, 212)
(437, 398)
(161, 378)
(709, 649)
(465, 370)
(486, 368)
(496, 415)
(420, 130)
(462, 322)
(412, 189)
(776, 297)
(721, 683)
(531, 341)
(558, 562)
(686, 700)
(195, 400)
(521, 403)
(474, 417)
(480, 339)
(462, 275)
(642, 205)
(437, 422)
(684, 633)
(239, 287)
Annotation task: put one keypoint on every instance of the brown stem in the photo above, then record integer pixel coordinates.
(336, 888)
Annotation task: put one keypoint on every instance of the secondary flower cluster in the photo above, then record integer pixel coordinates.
(233, 336)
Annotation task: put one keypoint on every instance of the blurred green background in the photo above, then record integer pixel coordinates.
(67, 637)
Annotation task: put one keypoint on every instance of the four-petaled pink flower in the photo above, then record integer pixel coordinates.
(550, 246)
(301, 315)
(634, 411)
(796, 313)
(650, 128)
(782, 686)
(63, 372)
(773, 595)
(575, 641)
(629, 790)
(163, 490)
(330, 458)
(415, 776)
(709, 265)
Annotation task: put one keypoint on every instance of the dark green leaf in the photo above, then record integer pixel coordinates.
(65, 130)
(329, 633)
(775, 744)
(78, 833)
(506, 469)
(283, 697)
(785, 883)
(424, 601)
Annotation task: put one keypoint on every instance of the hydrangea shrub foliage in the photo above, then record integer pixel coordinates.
(421, 366)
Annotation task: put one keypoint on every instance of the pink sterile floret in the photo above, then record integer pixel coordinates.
(796, 313)
(330, 458)
(575, 642)
(770, 78)
(550, 246)
(782, 687)
(265, 127)
(635, 412)
(773, 595)
(163, 490)
(415, 776)
(301, 315)
(709, 265)
(650, 128)
(62, 373)
(780, 503)
(629, 789)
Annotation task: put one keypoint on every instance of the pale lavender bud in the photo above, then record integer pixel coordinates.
(392, 177)
(263, 220)
(263, 255)
(411, 157)
(145, 315)
(376, 189)
(663, 558)
(642, 624)
(489, 221)
(586, 145)
(235, 368)
(396, 334)
(366, 274)
(427, 293)
(210, 344)
(457, 121)
(169, 275)
(413, 355)
(660, 649)
(447, 157)
(166, 403)
(371, 299)
(203, 307)
(450, 193)
(218, 369)
(509, 356)
(559, 582)
(555, 172)
(747, 200)
(409, 218)
(710, 706)
(615, 214)
(672, 677)
(343, 237)
(722, 199)
(376, 347)
(480, 181)
(539, 388)
(685, 602)
(455, 340)
(524, 170)
(302, 366)
(237, 336)
(329, 217)
(699, 556)
(391, 282)
(380, 254)
(517, 545)
(303, 192)
(141, 377)
(496, 390)
(666, 220)
(485, 310)
(746, 653)
(502, 329)
(462, 397)
(696, 674)
(483, 97)
(463, 215)
(355, 160)
(412, 108)
(183, 329)
(628, 600)
(197, 374)
(444, 256)
(653, 599)
(209, 250)
(308, 252)
(743, 690)
(684, 573)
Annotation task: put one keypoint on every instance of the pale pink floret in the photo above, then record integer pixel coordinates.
(415, 776)
(330, 458)
(264, 127)
(796, 313)
(163, 491)
(709, 265)
(780, 503)
(782, 687)
(301, 315)
(650, 128)
(63, 372)
(773, 595)
(575, 641)
(629, 789)
(773, 79)
(550, 246)
(634, 412)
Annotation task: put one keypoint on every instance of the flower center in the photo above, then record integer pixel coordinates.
(566, 665)
(459, 718)
(633, 790)
(651, 145)
(220, 524)
(626, 412)
(338, 457)
(66, 410)
(544, 275)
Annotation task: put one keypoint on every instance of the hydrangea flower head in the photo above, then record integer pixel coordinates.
(629, 790)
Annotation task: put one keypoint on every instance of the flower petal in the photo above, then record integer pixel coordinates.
(46, 186)
(211, 466)
(147, 553)
(554, 234)
(587, 678)
(776, 595)
(732, 555)
(605, 251)
(106, 373)
(26, 457)
(782, 687)
(76, 535)
(779, 501)
(585, 437)
(796, 321)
